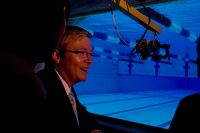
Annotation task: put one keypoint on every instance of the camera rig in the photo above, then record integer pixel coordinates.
(146, 48)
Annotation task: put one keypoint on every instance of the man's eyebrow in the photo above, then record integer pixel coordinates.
(85, 49)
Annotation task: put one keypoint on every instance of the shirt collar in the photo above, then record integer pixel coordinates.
(65, 85)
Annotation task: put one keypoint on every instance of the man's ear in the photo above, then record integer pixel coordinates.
(56, 56)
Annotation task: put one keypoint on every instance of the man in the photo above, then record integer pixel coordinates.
(71, 61)
(29, 29)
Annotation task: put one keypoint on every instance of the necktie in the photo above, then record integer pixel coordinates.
(73, 102)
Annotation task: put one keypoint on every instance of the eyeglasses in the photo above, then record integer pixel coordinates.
(80, 53)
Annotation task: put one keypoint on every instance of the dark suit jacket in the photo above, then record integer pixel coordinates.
(61, 112)
(187, 115)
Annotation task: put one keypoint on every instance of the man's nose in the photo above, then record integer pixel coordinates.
(89, 58)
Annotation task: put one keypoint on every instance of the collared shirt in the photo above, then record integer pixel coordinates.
(67, 90)
(66, 86)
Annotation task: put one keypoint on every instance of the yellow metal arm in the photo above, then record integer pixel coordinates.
(135, 14)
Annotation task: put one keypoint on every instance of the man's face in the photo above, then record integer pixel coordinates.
(74, 66)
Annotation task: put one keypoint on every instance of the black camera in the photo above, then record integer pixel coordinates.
(147, 48)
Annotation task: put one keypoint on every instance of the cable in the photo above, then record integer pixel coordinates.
(117, 31)
(149, 21)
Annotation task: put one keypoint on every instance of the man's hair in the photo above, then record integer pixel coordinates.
(71, 34)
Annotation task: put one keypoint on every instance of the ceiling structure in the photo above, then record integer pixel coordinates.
(81, 8)
(178, 20)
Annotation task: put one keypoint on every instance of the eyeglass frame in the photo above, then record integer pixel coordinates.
(81, 53)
